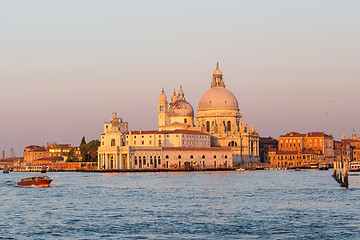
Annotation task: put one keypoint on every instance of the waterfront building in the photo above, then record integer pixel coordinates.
(266, 144)
(34, 152)
(217, 138)
(303, 150)
(61, 150)
(51, 152)
(352, 146)
(158, 149)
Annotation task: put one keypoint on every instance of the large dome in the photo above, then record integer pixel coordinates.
(218, 98)
(181, 108)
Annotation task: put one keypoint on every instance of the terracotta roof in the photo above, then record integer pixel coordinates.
(32, 147)
(309, 134)
(293, 134)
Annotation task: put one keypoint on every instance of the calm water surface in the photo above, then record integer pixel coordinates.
(307, 204)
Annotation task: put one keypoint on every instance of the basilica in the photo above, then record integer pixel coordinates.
(215, 138)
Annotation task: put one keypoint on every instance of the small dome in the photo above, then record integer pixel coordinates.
(162, 96)
(181, 108)
(218, 98)
(174, 98)
(217, 72)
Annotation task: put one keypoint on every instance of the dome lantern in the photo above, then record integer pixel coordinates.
(217, 78)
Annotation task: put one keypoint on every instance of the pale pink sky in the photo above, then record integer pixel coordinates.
(66, 65)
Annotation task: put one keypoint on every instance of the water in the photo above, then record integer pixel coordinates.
(189, 205)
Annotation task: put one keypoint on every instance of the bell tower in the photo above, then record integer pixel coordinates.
(163, 111)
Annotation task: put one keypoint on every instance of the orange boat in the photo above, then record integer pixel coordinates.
(37, 180)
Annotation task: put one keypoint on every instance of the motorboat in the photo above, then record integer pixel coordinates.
(354, 167)
(37, 180)
(323, 167)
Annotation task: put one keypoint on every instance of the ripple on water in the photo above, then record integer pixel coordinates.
(194, 205)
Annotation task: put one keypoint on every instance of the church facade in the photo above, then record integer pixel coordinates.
(218, 115)
(216, 138)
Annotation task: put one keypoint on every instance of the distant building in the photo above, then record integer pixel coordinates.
(351, 146)
(301, 150)
(266, 144)
(34, 152)
(342, 151)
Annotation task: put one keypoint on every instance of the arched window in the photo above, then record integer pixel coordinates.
(151, 160)
(135, 160)
(179, 156)
(232, 144)
(208, 126)
(159, 160)
(191, 156)
(203, 156)
(228, 128)
(159, 142)
(167, 156)
(144, 160)
(214, 156)
(226, 156)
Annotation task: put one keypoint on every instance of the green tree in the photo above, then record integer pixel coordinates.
(83, 141)
(71, 156)
(89, 151)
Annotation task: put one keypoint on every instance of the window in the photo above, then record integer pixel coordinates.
(203, 156)
(159, 160)
(151, 160)
(214, 156)
(191, 156)
(150, 142)
(134, 142)
(144, 160)
(142, 142)
(185, 120)
(225, 156)
(228, 126)
(167, 156)
(159, 142)
(112, 142)
(208, 126)
(179, 156)
(135, 161)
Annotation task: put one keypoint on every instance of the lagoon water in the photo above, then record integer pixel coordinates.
(286, 204)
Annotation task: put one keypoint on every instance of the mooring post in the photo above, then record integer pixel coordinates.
(340, 171)
(346, 176)
(335, 162)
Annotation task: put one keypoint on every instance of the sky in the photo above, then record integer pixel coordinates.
(65, 66)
